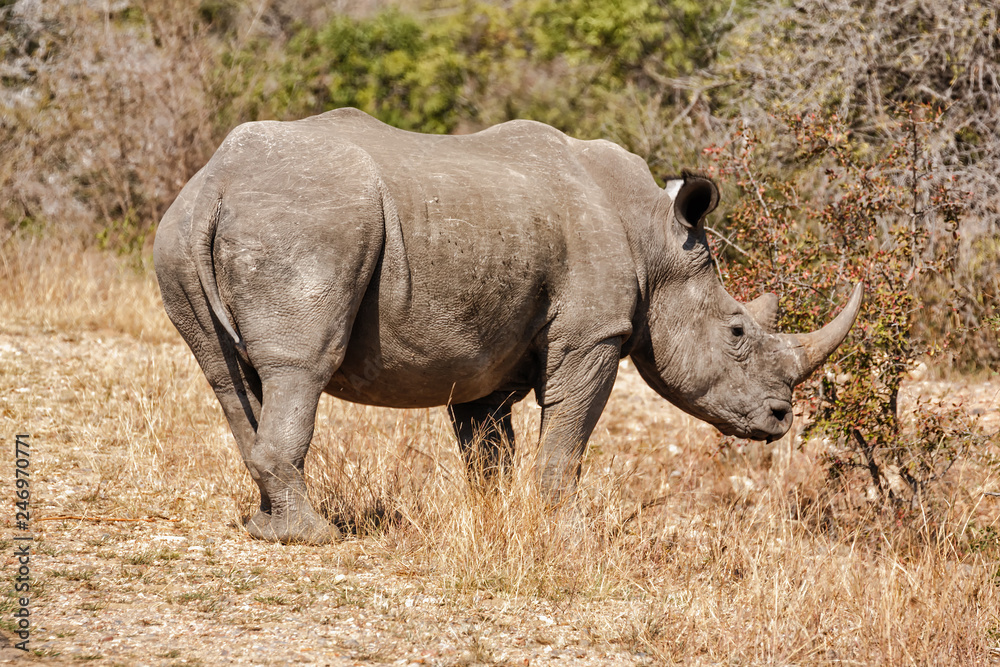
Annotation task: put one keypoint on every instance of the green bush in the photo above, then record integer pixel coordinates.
(576, 65)
(388, 66)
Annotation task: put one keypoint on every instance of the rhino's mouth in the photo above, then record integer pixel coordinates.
(769, 422)
(773, 420)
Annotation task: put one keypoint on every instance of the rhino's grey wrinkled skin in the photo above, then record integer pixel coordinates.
(390, 268)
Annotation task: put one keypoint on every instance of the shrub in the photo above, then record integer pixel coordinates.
(581, 66)
(101, 116)
(865, 62)
(887, 222)
(388, 66)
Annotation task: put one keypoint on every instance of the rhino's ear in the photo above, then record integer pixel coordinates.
(696, 197)
(673, 186)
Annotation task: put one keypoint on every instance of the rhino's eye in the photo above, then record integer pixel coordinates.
(737, 330)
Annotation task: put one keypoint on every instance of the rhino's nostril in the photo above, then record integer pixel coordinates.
(779, 414)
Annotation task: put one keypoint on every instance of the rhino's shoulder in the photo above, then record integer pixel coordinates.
(527, 129)
(607, 152)
(541, 134)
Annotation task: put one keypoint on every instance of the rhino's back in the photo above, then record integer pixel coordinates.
(497, 229)
(462, 286)
(486, 238)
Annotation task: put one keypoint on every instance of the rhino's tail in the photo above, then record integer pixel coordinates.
(203, 227)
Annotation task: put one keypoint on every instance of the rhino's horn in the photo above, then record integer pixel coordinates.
(764, 310)
(813, 348)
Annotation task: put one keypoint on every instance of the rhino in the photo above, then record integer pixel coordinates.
(338, 254)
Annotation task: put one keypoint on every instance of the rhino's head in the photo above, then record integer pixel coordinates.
(712, 356)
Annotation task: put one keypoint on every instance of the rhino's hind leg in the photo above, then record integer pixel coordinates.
(237, 387)
(486, 435)
(239, 395)
(288, 415)
(235, 383)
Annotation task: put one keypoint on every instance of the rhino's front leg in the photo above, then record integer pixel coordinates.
(574, 396)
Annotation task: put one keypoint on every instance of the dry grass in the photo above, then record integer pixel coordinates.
(678, 551)
(69, 287)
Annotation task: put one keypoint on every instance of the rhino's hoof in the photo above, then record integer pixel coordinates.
(312, 535)
(296, 528)
(258, 524)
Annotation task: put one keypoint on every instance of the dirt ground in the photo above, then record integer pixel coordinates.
(139, 556)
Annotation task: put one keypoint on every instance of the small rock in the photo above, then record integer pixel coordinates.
(466, 657)
(872, 493)
(919, 372)
(741, 484)
(11, 654)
